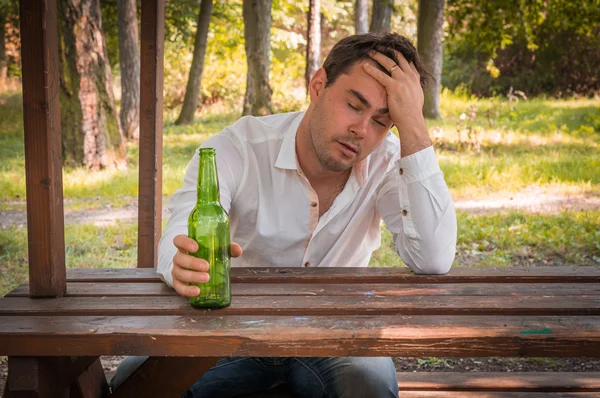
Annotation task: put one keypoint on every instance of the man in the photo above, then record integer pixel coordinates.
(309, 189)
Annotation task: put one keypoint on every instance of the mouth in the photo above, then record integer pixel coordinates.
(348, 149)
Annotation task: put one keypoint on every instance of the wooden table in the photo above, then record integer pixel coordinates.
(517, 312)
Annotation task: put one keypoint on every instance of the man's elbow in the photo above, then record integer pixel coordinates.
(436, 263)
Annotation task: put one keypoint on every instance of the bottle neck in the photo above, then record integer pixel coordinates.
(208, 181)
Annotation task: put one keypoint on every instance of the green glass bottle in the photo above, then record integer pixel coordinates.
(208, 225)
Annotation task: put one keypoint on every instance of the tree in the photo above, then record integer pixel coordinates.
(361, 16)
(192, 90)
(381, 17)
(313, 40)
(3, 63)
(8, 13)
(538, 46)
(257, 26)
(129, 62)
(429, 43)
(91, 133)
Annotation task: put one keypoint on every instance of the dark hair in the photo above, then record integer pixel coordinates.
(356, 48)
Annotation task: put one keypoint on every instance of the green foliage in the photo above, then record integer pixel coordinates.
(110, 28)
(535, 46)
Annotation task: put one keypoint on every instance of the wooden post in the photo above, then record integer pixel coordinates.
(151, 124)
(43, 152)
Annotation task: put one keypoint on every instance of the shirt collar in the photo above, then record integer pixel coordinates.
(287, 158)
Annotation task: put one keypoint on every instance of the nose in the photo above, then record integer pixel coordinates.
(359, 127)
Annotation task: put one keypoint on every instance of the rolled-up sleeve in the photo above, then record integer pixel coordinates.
(417, 208)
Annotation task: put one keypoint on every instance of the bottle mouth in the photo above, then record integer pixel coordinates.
(206, 151)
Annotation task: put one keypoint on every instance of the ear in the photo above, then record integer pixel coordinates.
(317, 84)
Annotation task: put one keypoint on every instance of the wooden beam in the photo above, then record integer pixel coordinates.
(43, 152)
(91, 383)
(164, 376)
(151, 124)
(45, 376)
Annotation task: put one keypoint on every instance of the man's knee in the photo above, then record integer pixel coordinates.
(368, 377)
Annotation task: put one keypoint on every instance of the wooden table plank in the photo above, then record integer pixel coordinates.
(309, 305)
(499, 381)
(411, 336)
(98, 289)
(589, 274)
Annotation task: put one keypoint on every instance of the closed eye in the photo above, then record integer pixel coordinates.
(352, 106)
(379, 122)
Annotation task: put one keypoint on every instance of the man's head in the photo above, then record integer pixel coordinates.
(356, 48)
(348, 116)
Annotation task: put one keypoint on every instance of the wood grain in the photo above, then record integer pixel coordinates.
(215, 335)
(590, 274)
(499, 381)
(122, 289)
(151, 125)
(310, 305)
(43, 150)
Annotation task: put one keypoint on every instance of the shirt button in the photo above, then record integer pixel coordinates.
(404, 212)
(307, 264)
(314, 204)
(401, 171)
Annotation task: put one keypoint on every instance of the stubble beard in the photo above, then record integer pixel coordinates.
(324, 155)
(319, 144)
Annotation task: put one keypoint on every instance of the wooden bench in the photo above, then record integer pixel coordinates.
(486, 385)
(527, 312)
(55, 328)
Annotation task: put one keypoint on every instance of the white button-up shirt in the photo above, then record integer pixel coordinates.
(274, 212)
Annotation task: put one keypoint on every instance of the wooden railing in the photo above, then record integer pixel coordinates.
(43, 152)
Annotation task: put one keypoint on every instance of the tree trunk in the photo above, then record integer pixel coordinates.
(361, 16)
(192, 90)
(257, 26)
(91, 132)
(381, 17)
(3, 63)
(313, 40)
(429, 42)
(129, 62)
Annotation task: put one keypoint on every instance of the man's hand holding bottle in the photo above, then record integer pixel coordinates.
(187, 268)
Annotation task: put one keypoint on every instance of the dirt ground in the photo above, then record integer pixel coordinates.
(533, 199)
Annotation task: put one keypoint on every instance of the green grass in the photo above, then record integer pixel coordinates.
(86, 246)
(514, 238)
(498, 147)
(549, 143)
(91, 190)
(483, 240)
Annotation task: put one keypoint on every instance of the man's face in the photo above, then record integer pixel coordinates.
(349, 119)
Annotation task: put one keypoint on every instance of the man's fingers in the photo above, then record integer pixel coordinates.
(235, 249)
(185, 243)
(186, 261)
(185, 290)
(384, 61)
(389, 64)
(378, 75)
(402, 62)
(187, 276)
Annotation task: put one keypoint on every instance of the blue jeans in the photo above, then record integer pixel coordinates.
(346, 377)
